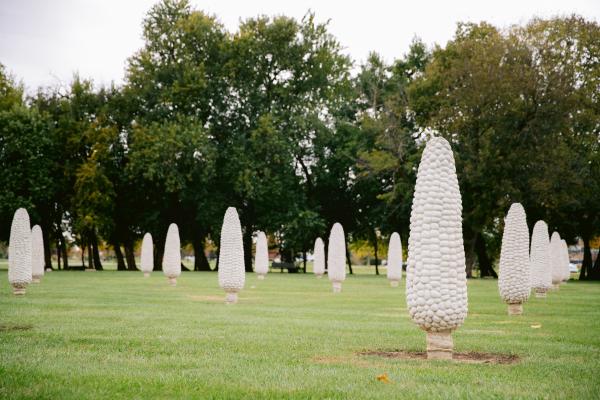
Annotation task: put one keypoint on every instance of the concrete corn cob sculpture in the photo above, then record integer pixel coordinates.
(436, 283)
(336, 257)
(147, 256)
(513, 279)
(319, 258)
(19, 252)
(261, 260)
(37, 254)
(566, 261)
(556, 260)
(232, 274)
(394, 260)
(171, 263)
(539, 259)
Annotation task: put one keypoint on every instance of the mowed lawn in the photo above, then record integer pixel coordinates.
(116, 335)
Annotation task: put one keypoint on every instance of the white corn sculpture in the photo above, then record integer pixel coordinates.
(566, 261)
(261, 260)
(319, 258)
(147, 256)
(394, 260)
(172, 258)
(232, 274)
(37, 254)
(513, 279)
(19, 252)
(336, 257)
(539, 258)
(436, 283)
(556, 260)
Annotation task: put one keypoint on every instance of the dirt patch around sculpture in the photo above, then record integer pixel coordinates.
(11, 327)
(217, 299)
(463, 357)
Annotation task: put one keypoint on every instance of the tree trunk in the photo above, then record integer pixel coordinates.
(348, 259)
(47, 251)
(248, 248)
(594, 273)
(159, 249)
(96, 252)
(90, 257)
(586, 265)
(58, 252)
(63, 249)
(469, 257)
(83, 256)
(376, 253)
(304, 261)
(483, 260)
(200, 260)
(129, 255)
(119, 254)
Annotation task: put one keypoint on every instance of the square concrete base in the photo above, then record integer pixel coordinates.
(515, 309)
(19, 288)
(231, 297)
(337, 286)
(439, 345)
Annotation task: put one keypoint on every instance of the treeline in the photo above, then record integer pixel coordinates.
(271, 119)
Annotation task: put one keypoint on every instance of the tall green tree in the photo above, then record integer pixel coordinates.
(286, 78)
(506, 110)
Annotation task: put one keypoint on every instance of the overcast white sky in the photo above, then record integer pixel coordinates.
(43, 42)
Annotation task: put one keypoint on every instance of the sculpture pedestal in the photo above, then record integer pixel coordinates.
(261, 277)
(439, 345)
(173, 281)
(515, 309)
(555, 286)
(19, 288)
(231, 296)
(540, 293)
(394, 283)
(36, 279)
(337, 286)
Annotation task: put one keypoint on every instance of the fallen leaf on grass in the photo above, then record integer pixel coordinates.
(383, 378)
(536, 326)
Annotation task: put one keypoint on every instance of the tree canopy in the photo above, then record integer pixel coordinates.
(275, 120)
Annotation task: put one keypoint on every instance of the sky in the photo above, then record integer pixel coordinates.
(44, 42)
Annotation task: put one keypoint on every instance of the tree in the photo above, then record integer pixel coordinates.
(285, 80)
(175, 84)
(390, 153)
(506, 109)
(28, 176)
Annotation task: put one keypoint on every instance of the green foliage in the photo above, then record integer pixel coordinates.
(27, 175)
(270, 119)
(11, 93)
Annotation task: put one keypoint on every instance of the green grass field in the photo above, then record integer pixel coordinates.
(116, 335)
